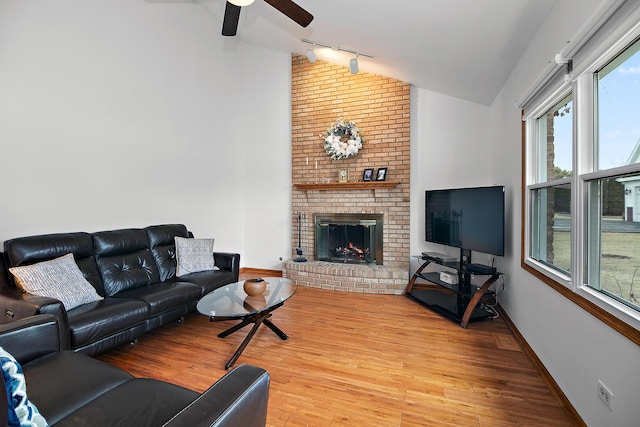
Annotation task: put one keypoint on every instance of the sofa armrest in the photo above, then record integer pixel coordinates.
(15, 304)
(32, 337)
(228, 261)
(238, 399)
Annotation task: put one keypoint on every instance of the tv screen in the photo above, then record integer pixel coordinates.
(467, 218)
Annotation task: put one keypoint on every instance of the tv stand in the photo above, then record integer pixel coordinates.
(458, 302)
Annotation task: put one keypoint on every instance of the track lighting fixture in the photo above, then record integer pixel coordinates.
(311, 56)
(353, 63)
(241, 2)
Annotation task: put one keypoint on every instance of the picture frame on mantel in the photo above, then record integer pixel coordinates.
(382, 174)
(367, 175)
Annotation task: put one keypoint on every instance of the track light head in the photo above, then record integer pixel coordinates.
(241, 2)
(353, 65)
(311, 56)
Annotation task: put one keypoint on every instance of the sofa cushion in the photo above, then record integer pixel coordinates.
(161, 297)
(62, 382)
(124, 260)
(59, 278)
(92, 322)
(140, 402)
(20, 409)
(193, 255)
(163, 248)
(209, 280)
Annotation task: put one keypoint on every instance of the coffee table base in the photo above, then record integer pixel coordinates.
(257, 319)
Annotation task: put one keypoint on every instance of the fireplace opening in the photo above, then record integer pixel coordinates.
(349, 238)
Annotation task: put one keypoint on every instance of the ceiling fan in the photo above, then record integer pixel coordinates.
(287, 7)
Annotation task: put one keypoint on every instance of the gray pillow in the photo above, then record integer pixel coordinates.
(193, 255)
(59, 278)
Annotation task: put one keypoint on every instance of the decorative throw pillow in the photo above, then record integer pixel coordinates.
(21, 411)
(193, 255)
(59, 278)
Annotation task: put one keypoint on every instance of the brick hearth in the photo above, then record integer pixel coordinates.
(321, 93)
(372, 279)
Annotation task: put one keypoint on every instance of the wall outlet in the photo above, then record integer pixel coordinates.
(605, 394)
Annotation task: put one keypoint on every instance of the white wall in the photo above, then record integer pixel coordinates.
(575, 347)
(451, 147)
(267, 161)
(119, 113)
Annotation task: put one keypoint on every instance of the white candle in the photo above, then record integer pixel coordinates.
(316, 164)
(307, 160)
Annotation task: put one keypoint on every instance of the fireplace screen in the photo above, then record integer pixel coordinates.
(349, 238)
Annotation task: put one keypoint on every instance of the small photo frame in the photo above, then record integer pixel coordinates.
(367, 175)
(343, 175)
(382, 174)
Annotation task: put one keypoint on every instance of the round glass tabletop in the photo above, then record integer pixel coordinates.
(231, 301)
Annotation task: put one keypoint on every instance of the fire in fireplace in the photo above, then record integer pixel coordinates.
(349, 238)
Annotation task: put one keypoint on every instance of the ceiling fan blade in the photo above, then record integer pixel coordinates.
(231, 18)
(293, 11)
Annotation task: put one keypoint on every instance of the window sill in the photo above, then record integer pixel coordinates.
(588, 305)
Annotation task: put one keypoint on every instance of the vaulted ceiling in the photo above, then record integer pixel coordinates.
(461, 48)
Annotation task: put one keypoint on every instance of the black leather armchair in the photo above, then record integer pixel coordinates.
(70, 388)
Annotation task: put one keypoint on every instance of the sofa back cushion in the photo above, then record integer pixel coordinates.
(163, 248)
(5, 281)
(124, 260)
(32, 249)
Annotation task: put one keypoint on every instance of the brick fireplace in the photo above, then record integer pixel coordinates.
(321, 93)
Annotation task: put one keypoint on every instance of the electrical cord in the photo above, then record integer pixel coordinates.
(494, 290)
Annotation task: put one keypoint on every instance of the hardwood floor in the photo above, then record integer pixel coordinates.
(361, 360)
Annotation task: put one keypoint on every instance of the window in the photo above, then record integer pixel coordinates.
(618, 116)
(613, 216)
(551, 193)
(582, 177)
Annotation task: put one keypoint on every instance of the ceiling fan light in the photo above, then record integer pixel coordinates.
(311, 56)
(353, 65)
(241, 2)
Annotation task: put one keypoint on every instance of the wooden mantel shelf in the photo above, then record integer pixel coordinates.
(364, 185)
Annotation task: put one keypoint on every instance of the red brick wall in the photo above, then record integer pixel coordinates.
(323, 92)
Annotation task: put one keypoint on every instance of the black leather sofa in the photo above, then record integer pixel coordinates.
(133, 269)
(73, 389)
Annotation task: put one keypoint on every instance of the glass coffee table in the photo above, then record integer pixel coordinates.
(230, 302)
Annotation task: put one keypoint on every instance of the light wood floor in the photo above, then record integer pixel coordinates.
(361, 360)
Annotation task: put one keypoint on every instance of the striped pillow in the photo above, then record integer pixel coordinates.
(59, 278)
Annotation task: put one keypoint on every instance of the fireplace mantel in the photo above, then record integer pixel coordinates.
(363, 185)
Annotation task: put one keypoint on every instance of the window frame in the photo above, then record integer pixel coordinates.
(579, 82)
(531, 153)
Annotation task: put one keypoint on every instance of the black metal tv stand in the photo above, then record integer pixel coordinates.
(458, 302)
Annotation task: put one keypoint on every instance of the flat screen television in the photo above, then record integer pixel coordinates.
(466, 218)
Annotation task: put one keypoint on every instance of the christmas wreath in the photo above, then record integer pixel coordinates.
(342, 140)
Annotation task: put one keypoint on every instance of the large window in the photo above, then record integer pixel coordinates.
(613, 218)
(582, 179)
